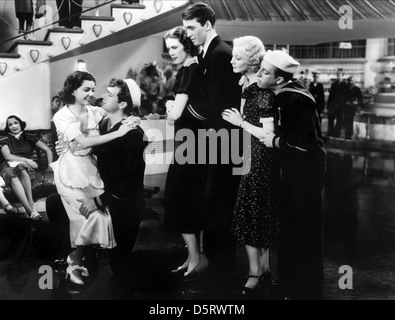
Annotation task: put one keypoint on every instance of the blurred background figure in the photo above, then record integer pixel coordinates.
(335, 105)
(56, 105)
(354, 99)
(317, 90)
(24, 14)
(150, 84)
(167, 90)
(169, 83)
(69, 13)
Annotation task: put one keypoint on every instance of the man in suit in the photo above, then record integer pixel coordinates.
(354, 99)
(335, 106)
(317, 90)
(220, 91)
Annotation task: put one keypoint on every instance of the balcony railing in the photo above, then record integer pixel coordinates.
(391, 47)
(333, 50)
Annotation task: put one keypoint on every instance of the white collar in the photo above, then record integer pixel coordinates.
(207, 44)
(17, 136)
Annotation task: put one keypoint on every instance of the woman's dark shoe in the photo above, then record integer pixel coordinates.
(35, 216)
(9, 209)
(248, 292)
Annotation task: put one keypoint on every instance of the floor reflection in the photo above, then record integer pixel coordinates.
(359, 231)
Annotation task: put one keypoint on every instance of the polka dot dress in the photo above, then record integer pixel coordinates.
(255, 220)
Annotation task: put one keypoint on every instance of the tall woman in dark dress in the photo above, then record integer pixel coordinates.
(186, 179)
(255, 220)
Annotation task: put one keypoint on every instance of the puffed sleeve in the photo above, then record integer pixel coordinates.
(4, 141)
(189, 80)
(32, 138)
(73, 130)
(67, 126)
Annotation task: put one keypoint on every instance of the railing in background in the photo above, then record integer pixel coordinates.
(94, 8)
(330, 50)
(391, 47)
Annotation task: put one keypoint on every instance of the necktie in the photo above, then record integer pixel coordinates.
(200, 56)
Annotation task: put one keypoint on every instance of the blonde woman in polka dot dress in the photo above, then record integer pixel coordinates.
(255, 221)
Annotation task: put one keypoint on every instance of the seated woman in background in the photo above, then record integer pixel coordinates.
(16, 166)
(9, 209)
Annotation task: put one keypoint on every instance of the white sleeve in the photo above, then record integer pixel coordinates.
(67, 127)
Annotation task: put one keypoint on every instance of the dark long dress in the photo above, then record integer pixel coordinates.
(185, 182)
(255, 221)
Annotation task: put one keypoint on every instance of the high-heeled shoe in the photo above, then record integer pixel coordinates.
(246, 291)
(35, 216)
(84, 271)
(74, 278)
(9, 209)
(179, 270)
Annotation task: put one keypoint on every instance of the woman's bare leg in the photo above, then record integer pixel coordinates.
(19, 190)
(3, 200)
(254, 260)
(265, 264)
(27, 185)
(193, 251)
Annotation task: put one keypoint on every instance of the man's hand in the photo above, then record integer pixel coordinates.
(267, 139)
(58, 148)
(87, 207)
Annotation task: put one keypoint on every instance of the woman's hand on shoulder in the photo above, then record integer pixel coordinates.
(125, 128)
(132, 121)
(59, 148)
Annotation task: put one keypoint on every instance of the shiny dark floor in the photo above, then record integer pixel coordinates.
(359, 215)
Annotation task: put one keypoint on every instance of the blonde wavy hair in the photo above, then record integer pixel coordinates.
(252, 49)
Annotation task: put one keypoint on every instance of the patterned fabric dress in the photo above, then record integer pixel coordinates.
(255, 220)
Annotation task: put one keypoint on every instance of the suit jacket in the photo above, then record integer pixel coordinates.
(319, 95)
(337, 96)
(220, 86)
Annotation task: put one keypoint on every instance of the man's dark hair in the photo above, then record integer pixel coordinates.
(201, 12)
(123, 95)
(280, 73)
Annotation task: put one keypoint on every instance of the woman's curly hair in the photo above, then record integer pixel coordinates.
(21, 123)
(180, 33)
(72, 83)
(252, 49)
